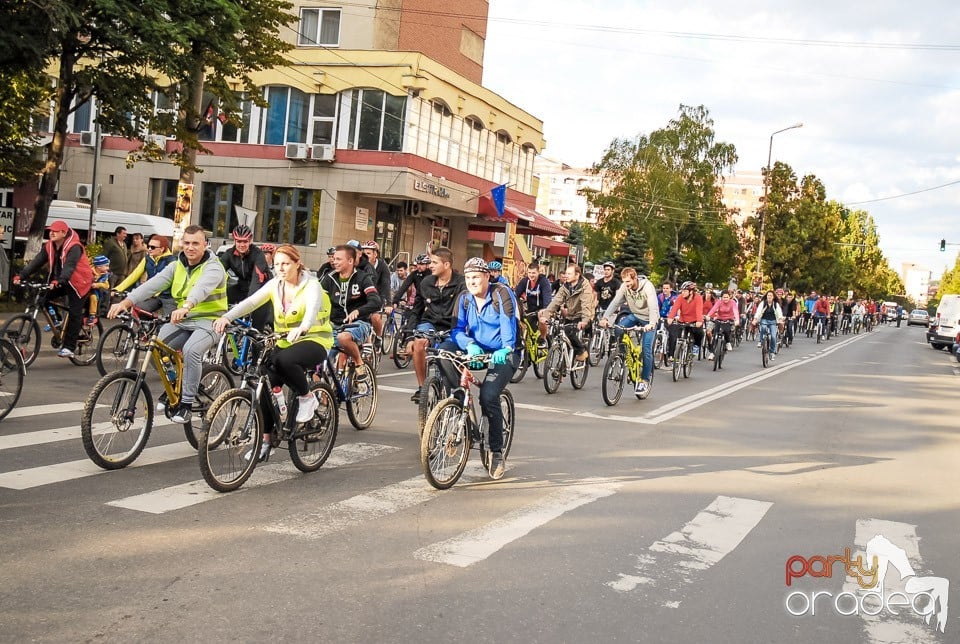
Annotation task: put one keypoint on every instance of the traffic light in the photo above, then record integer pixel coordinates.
(943, 245)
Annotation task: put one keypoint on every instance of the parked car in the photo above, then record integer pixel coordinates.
(918, 316)
(946, 323)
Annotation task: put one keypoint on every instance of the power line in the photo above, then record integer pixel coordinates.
(905, 194)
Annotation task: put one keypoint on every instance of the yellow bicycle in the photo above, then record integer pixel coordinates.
(624, 364)
(533, 351)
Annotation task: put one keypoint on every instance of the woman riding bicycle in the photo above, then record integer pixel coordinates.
(301, 310)
(769, 315)
(727, 314)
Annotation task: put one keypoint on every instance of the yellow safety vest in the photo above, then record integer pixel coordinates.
(321, 331)
(183, 282)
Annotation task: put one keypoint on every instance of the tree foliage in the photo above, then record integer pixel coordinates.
(632, 252)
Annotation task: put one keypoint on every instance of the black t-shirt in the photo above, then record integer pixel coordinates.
(606, 291)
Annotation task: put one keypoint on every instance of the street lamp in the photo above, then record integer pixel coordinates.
(766, 184)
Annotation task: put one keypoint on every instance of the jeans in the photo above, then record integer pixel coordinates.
(195, 338)
(769, 326)
(647, 338)
(74, 309)
(496, 380)
(696, 334)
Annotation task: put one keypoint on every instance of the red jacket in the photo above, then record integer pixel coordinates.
(691, 311)
(822, 306)
(81, 277)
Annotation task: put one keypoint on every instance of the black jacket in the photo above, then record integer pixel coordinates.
(413, 279)
(436, 305)
(357, 294)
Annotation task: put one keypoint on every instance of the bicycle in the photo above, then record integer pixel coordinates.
(355, 387)
(119, 341)
(434, 387)
(533, 350)
(13, 371)
(599, 343)
(857, 324)
(232, 433)
(625, 363)
(660, 344)
(719, 348)
(236, 350)
(118, 414)
(766, 345)
(452, 429)
(23, 330)
(561, 360)
(391, 329)
(820, 325)
(683, 353)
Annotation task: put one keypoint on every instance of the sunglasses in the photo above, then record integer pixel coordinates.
(154, 247)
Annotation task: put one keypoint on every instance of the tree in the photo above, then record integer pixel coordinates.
(632, 252)
(22, 92)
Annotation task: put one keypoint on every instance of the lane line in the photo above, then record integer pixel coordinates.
(70, 432)
(395, 375)
(401, 390)
(678, 559)
(184, 495)
(476, 545)
(42, 410)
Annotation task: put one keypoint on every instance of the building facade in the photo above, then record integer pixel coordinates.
(916, 282)
(742, 194)
(559, 194)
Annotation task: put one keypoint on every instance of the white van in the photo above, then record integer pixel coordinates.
(77, 216)
(946, 323)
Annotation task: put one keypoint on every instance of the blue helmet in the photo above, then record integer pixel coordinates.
(495, 266)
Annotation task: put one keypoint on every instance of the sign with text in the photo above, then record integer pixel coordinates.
(7, 216)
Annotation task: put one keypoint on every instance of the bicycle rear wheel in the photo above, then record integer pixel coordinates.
(400, 356)
(362, 404)
(522, 365)
(311, 443)
(12, 373)
(114, 348)
(445, 444)
(554, 368)
(578, 376)
(24, 332)
(432, 392)
(508, 411)
(116, 420)
(85, 352)
(614, 374)
(597, 346)
(230, 440)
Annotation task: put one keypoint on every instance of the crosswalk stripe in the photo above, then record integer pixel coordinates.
(60, 472)
(184, 495)
(705, 540)
(363, 507)
(42, 410)
(476, 545)
(70, 432)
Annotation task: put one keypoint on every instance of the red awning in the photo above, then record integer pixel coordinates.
(528, 220)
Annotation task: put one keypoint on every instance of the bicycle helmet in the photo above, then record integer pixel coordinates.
(242, 233)
(331, 250)
(423, 258)
(495, 266)
(610, 264)
(371, 244)
(268, 248)
(688, 284)
(475, 265)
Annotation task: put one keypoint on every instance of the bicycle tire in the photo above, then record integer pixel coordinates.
(717, 350)
(123, 409)
(596, 350)
(24, 332)
(362, 403)
(317, 436)
(614, 374)
(553, 371)
(765, 351)
(522, 365)
(215, 379)
(401, 359)
(678, 359)
(228, 458)
(114, 347)
(508, 411)
(659, 353)
(578, 377)
(12, 373)
(432, 391)
(687, 361)
(539, 362)
(445, 444)
(85, 353)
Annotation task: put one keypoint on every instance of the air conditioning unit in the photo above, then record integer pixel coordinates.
(158, 140)
(88, 139)
(85, 191)
(322, 152)
(296, 151)
(414, 208)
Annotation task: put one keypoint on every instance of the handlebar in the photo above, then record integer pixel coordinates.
(463, 360)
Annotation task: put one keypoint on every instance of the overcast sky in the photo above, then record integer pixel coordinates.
(879, 120)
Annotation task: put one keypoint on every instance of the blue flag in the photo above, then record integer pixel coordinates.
(499, 195)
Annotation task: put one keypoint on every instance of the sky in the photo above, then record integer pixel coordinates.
(875, 84)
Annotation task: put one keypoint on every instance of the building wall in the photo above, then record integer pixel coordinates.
(558, 192)
(743, 192)
(451, 33)
(916, 281)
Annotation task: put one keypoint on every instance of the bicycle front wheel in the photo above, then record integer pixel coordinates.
(12, 373)
(400, 356)
(679, 357)
(311, 443)
(445, 444)
(553, 372)
(687, 361)
(614, 373)
(508, 412)
(578, 374)
(117, 419)
(86, 352)
(597, 347)
(230, 440)
(717, 350)
(431, 393)
(522, 365)
(389, 338)
(114, 348)
(362, 404)
(24, 332)
(214, 380)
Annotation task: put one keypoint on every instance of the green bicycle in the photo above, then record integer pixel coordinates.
(624, 363)
(533, 350)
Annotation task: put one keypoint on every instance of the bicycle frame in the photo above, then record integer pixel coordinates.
(633, 352)
(531, 341)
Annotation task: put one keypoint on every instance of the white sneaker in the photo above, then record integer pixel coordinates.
(729, 347)
(308, 405)
(709, 356)
(758, 344)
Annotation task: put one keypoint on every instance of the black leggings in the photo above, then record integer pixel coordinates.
(289, 366)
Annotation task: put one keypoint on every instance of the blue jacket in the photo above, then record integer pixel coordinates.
(493, 326)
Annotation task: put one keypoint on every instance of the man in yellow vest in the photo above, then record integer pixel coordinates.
(198, 285)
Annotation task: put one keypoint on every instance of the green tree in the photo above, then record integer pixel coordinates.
(632, 252)
(22, 94)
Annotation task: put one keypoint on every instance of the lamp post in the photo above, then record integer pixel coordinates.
(766, 184)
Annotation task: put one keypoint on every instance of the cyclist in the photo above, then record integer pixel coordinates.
(578, 303)
(353, 298)
(688, 309)
(246, 262)
(397, 277)
(859, 310)
(641, 297)
(69, 275)
(496, 274)
(727, 314)
(403, 294)
(791, 311)
(157, 258)
(486, 322)
(327, 266)
(535, 292)
(198, 283)
(433, 309)
(301, 311)
(665, 299)
(607, 287)
(381, 279)
(821, 312)
(769, 315)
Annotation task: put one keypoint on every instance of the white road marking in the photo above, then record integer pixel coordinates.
(402, 390)
(476, 545)
(674, 561)
(41, 410)
(71, 432)
(181, 496)
(381, 376)
(364, 507)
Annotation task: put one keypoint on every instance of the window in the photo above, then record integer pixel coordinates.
(214, 125)
(324, 116)
(376, 120)
(286, 117)
(291, 216)
(216, 207)
(319, 27)
(163, 197)
(82, 117)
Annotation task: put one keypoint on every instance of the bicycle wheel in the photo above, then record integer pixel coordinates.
(400, 356)
(522, 365)
(389, 339)
(230, 440)
(553, 373)
(819, 333)
(312, 442)
(659, 353)
(578, 377)
(717, 349)
(764, 352)
(614, 373)
(539, 361)
(679, 357)
(687, 360)
(114, 348)
(445, 444)
(214, 380)
(24, 332)
(12, 373)
(117, 419)
(432, 392)
(508, 411)
(86, 352)
(362, 404)
(597, 346)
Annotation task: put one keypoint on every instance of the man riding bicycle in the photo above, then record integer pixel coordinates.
(578, 303)
(535, 292)
(688, 309)
(248, 264)
(641, 298)
(353, 299)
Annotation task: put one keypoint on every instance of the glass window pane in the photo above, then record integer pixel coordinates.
(81, 118)
(297, 119)
(276, 116)
(323, 131)
(330, 28)
(393, 123)
(324, 104)
(308, 26)
(371, 111)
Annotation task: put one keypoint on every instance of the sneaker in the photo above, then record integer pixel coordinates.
(65, 353)
(308, 405)
(695, 351)
(360, 376)
(497, 466)
(182, 414)
(772, 356)
(265, 450)
(416, 396)
(46, 328)
(92, 320)
(582, 357)
(758, 344)
(708, 355)
(729, 347)
(642, 389)
(162, 403)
